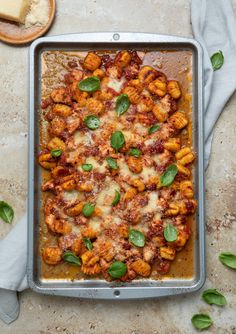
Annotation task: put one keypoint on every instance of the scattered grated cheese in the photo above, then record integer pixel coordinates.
(38, 14)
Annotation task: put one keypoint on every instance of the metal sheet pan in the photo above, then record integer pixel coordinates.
(100, 289)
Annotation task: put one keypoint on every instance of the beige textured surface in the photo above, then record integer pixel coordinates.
(43, 314)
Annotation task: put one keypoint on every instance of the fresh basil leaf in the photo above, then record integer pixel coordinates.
(112, 163)
(90, 84)
(117, 269)
(6, 212)
(228, 259)
(153, 128)
(212, 296)
(201, 321)
(122, 104)
(71, 258)
(92, 122)
(137, 238)
(88, 243)
(217, 60)
(88, 209)
(135, 152)
(170, 233)
(116, 199)
(87, 167)
(56, 153)
(167, 178)
(117, 140)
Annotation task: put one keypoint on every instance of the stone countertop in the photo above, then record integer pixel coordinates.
(44, 314)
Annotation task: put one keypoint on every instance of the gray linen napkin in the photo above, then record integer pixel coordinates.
(214, 27)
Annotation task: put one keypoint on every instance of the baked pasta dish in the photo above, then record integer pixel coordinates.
(116, 154)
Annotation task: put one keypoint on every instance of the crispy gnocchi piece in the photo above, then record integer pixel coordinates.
(133, 94)
(147, 74)
(184, 156)
(62, 227)
(135, 164)
(187, 207)
(99, 73)
(61, 95)
(173, 89)
(47, 161)
(145, 104)
(90, 233)
(173, 210)
(83, 187)
(172, 144)
(167, 252)
(122, 59)
(94, 106)
(57, 126)
(141, 267)
(92, 270)
(138, 184)
(61, 110)
(52, 255)
(130, 194)
(106, 251)
(158, 87)
(89, 258)
(183, 170)
(55, 143)
(178, 120)
(92, 61)
(186, 189)
(75, 210)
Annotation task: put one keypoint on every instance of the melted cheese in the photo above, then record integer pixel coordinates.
(115, 84)
(71, 196)
(100, 168)
(106, 196)
(152, 203)
(83, 139)
(95, 223)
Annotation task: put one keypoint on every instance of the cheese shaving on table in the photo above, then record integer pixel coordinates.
(38, 14)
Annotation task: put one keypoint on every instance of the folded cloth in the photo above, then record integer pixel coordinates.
(13, 258)
(214, 27)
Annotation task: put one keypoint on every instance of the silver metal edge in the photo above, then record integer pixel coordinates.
(124, 292)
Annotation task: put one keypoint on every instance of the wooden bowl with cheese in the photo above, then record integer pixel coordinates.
(22, 21)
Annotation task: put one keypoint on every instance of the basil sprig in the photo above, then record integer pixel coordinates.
(212, 296)
(228, 259)
(88, 243)
(117, 140)
(217, 60)
(153, 128)
(201, 321)
(122, 104)
(92, 122)
(90, 84)
(71, 258)
(112, 163)
(135, 152)
(56, 152)
(6, 212)
(167, 178)
(137, 238)
(87, 167)
(170, 233)
(88, 209)
(116, 199)
(117, 269)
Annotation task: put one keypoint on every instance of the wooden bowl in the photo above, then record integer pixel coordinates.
(14, 33)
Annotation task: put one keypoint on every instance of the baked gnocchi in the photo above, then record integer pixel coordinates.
(117, 168)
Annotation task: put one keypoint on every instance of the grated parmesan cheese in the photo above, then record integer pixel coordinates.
(38, 14)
